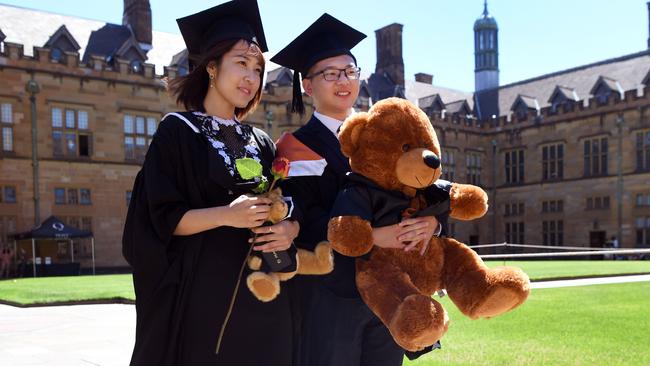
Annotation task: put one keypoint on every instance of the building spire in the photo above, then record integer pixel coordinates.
(485, 11)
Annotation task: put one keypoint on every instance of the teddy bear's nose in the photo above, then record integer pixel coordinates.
(432, 160)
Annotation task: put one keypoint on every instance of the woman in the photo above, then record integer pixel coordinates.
(188, 229)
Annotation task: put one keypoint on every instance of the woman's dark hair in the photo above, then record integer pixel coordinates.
(190, 90)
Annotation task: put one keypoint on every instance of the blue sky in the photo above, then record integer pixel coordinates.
(535, 37)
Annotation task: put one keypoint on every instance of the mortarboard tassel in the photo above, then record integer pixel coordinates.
(296, 103)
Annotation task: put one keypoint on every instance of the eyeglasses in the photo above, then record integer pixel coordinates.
(332, 74)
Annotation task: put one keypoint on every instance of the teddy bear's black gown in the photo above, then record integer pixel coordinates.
(183, 284)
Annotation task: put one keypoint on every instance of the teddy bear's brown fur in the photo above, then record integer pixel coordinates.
(266, 286)
(395, 146)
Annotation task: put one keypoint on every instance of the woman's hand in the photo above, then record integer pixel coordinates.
(415, 230)
(247, 212)
(275, 238)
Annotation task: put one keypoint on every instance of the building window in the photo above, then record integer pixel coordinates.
(448, 165)
(84, 196)
(553, 232)
(643, 199)
(8, 194)
(521, 111)
(56, 54)
(6, 123)
(59, 196)
(70, 133)
(72, 196)
(602, 94)
(138, 132)
(597, 203)
(79, 222)
(136, 66)
(643, 150)
(553, 162)
(514, 164)
(595, 156)
(513, 209)
(128, 197)
(7, 228)
(515, 233)
(643, 231)
(473, 161)
(552, 206)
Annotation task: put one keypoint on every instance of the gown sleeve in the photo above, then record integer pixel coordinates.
(158, 201)
(353, 201)
(166, 203)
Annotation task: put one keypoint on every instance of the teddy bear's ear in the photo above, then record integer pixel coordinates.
(350, 132)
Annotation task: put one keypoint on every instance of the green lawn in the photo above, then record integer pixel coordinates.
(589, 325)
(547, 270)
(65, 289)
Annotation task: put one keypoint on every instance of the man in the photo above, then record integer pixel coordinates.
(337, 327)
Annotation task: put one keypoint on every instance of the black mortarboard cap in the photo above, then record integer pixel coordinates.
(232, 20)
(326, 37)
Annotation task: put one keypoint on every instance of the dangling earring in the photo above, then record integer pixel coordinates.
(211, 80)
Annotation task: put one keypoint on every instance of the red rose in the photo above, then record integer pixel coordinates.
(280, 168)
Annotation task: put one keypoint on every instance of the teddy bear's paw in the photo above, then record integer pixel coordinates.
(499, 301)
(265, 287)
(418, 322)
(510, 288)
(254, 263)
(318, 262)
(324, 257)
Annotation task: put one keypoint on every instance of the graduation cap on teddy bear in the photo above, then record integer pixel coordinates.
(326, 37)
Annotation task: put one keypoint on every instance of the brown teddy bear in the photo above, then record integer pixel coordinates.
(264, 284)
(395, 159)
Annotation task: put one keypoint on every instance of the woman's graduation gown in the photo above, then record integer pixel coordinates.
(184, 284)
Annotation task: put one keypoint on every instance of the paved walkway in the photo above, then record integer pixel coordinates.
(83, 335)
(87, 335)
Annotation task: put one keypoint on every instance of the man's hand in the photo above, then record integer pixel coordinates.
(417, 229)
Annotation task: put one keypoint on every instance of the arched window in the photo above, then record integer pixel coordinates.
(136, 66)
(56, 54)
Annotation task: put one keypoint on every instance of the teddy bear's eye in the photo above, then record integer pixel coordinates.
(406, 147)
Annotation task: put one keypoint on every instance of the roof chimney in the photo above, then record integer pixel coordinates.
(389, 53)
(424, 78)
(137, 16)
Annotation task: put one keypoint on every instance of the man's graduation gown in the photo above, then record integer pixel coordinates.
(183, 284)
